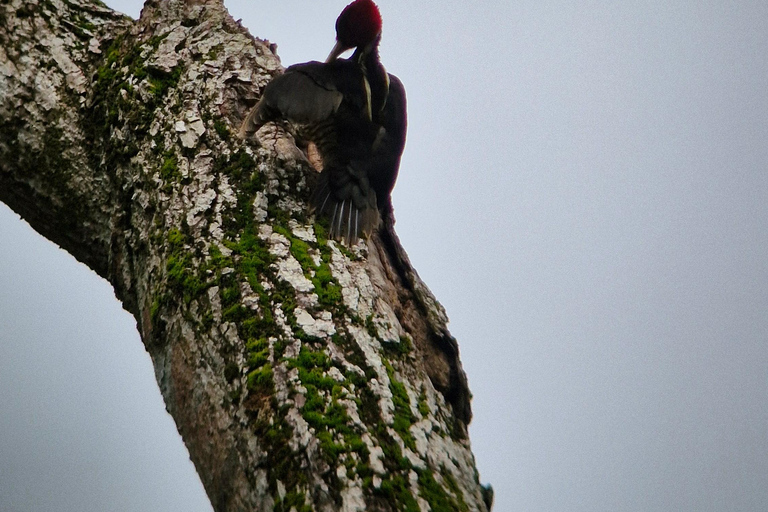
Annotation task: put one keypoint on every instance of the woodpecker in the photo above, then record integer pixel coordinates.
(355, 114)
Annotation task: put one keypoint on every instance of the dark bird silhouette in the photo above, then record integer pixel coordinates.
(355, 114)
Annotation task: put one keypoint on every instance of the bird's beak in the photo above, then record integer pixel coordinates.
(337, 50)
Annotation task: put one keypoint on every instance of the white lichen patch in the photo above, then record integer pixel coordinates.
(93, 46)
(302, 436)
(202, 203)
(279, 246)
(288, 267)
(354, 415)
(352, 497)
(229, 331)
(213, 298)
(260, 205)
(227, 196)
(282, 323)
(248, 297)
(421, 431)
(187, 136)
(350, 292)
(376, 455)
(385, 322)
(282, 378)
(386, 406)
(194, 123)
(302, 232)
(371, 350)
(281, 490)
(336, 374)
(318, 328)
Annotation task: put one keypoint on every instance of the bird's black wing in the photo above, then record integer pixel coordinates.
(304, 94)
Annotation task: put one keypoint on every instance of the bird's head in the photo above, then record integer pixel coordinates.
(358, 25)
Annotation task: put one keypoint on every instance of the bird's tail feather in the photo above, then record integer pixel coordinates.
(350, 209)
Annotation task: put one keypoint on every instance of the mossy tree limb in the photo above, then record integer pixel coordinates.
(301, 374)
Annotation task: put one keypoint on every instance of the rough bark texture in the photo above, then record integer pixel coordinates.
(301, 374)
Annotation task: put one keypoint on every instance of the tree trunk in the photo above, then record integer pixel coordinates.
(300, 373)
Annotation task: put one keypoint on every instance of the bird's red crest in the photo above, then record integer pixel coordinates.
(358, 24)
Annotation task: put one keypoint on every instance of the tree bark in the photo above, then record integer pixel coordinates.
(301, 374)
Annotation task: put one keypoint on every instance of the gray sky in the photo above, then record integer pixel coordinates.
(584, 188)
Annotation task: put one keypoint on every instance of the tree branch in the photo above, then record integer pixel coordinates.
(300, 373)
